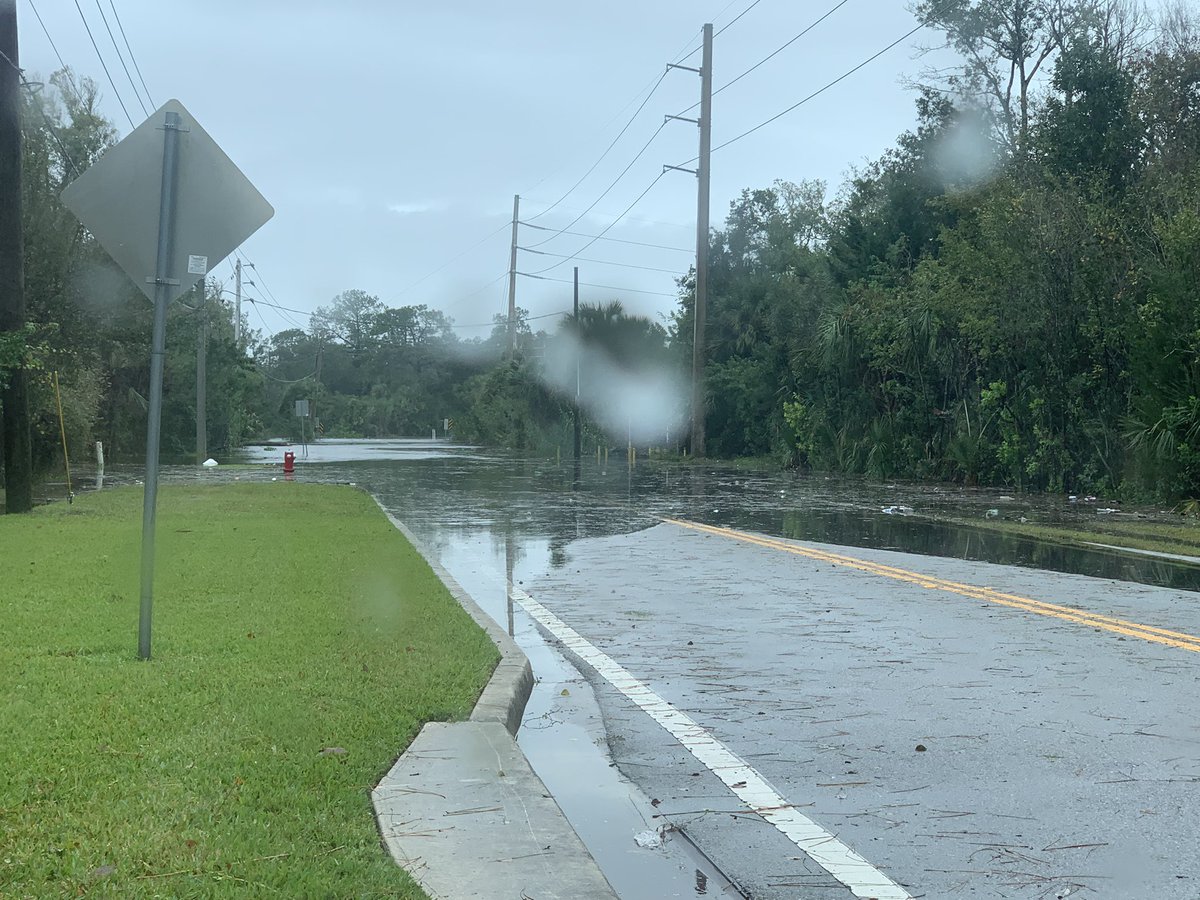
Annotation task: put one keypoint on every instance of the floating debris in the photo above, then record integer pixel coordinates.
(649, 840)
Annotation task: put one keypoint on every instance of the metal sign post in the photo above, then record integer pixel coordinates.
(174, 221)
(162, 296)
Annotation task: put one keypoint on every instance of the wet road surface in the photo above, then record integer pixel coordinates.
(963, 747)
(1061, 755)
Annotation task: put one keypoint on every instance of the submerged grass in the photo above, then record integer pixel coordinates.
(299, 644)
(1161, 536)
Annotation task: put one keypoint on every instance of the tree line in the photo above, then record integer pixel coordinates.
(1007, 296)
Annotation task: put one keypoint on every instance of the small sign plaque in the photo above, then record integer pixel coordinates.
(197, 265)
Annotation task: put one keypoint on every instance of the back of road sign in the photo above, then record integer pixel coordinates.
(117, 199)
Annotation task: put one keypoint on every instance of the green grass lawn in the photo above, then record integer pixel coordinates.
(288, 620)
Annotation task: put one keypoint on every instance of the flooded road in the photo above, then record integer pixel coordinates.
(958, 743)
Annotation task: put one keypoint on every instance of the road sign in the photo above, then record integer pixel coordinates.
(163, 202)
(118, 197)
(302, 409)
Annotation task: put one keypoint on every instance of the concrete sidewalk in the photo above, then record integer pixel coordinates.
(466, 815)
(462, 810)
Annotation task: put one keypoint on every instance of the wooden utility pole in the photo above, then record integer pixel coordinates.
(201, 374)
(702, 176)
(14, 400)
(512, 277)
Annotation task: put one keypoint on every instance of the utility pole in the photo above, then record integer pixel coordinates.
(702, 177)
(237, 321)
(701, 172)
(201, 375)
(578, 354)
(17, 446)
(512, 277)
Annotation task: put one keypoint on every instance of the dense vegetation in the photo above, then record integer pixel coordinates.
(1007, 296)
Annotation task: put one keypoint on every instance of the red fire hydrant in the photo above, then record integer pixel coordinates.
(289, 462)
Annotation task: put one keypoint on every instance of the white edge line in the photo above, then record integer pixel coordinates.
(824, 848)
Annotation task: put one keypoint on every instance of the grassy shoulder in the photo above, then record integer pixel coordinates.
(299, 644)
(1177, 536)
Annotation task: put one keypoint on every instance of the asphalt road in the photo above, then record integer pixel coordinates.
(960, 729)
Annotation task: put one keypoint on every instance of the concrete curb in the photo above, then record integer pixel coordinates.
(503, 699)
(462, 810)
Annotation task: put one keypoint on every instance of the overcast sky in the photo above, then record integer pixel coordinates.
(391, 137)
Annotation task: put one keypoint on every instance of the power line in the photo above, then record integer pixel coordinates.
(607, 149)
(652, 85)
(771, 55)
(600, 237)
(311, 374)
(502, 323)
(103, 64)
(46, 31)
(603, 262)
(607, 227)
(112, 37)
(642, 219)
(475, 293)
(617, 180)
(298, 312)
(68, 161)
(133, 59)
(260, 282)
(261, 317)
(607, 287)
(870, 59)
(738, 16)
(455, 259)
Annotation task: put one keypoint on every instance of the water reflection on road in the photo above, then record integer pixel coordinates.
(443, 488)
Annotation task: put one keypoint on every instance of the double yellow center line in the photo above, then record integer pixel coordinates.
(1066, 613)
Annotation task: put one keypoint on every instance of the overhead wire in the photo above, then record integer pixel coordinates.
(280, 307)
(870, 59)
(132, 58)
(604, 262)
(612, 240)
(561, 312)
(312, 374)
(121, 57)
(51, 128)
(103, 64)
(620, 134)
(604, 231)
(654, 87)
(734, 20)
(607, 287)
(608, 189)
(46, 32)
(772, 54)
(775, 53)
(455, 259)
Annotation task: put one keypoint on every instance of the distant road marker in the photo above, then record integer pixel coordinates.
(821, 846)
(1177, 639)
